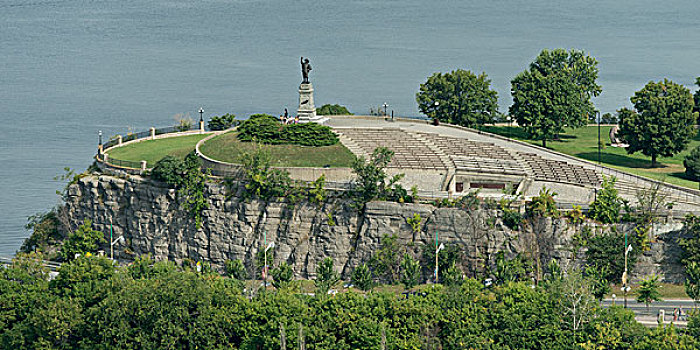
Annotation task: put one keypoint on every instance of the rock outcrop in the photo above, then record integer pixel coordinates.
(147, 214)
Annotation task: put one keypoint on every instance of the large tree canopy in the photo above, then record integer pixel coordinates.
(662, 122)
(462, 98)
(555, 92)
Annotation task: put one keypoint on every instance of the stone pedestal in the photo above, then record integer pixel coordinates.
(307, 110)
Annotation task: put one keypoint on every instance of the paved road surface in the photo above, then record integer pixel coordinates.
(649, 317)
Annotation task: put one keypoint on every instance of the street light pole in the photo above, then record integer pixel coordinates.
(385, 106)
(437, 252)
(111, 241)
(597, 113)
(201, 114)
(625, 288)
(436, 257)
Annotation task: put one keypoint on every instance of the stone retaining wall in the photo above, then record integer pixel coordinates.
(148, 215)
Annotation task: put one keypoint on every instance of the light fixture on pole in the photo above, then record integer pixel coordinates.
(99, 135)
(625, 287)
(437, 252)
(385, 105)
(597, 114)
(111, 246)
(201, 114)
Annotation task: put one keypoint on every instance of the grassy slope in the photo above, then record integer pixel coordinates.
(583, 142)
(228, 148)
(153, 150)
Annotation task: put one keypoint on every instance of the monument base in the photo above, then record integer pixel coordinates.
(307, 110)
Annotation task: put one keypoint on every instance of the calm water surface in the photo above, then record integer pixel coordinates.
(69, 68)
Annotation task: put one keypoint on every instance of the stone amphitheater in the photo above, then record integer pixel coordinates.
(449, 161)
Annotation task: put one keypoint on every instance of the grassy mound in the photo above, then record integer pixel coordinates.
(583, 143)
(153, 150)
(228, 148)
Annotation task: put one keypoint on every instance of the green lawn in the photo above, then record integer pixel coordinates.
(153, 150)
(227, 148)
(667, 291)
(583, 143)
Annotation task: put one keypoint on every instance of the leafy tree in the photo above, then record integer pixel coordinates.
(662, 122)
(386, 261)
(223, 122)
(453, 276)
(608, 203)
(317, 191)
(606, 253)
(262, 181)
(692, 165)
(410, 271)
(44, 227)
(329, 109)
(371, 178)
(690, 242)
(326, 277)
(191, 190)
(170, 170)
(81, 241)
(555, 92)
(600, 286)
(573, 294)
(236, 270)
(648, 291)
(510, 270)
(84, 279)
(665, 338)
(282, 275)
(361, 277)
(458, 97)
(692, 281)
(543, 205)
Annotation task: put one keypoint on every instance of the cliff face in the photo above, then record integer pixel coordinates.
(149, 217)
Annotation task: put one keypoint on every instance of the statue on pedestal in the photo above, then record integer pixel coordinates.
(305, 69)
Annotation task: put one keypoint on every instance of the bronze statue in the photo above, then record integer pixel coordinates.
(305, 69)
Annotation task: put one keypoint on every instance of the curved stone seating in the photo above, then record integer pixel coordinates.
(409, 151)
(559, 171)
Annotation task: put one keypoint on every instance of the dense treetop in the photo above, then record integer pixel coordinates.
(93, 305)
(458, 97)
(662, 122)
(555, 92)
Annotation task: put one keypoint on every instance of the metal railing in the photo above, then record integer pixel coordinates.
(124, 163)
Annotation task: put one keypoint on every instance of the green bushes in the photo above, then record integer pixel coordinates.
(223, 122)
(267, 129)
(692, 165)
(608, 204)
(83, 240)
(187, 177)
(94, 305)
(335, 109)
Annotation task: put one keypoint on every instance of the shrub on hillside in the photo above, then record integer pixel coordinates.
(81, 241)
(335, 109)
(266, 129)
(223, 122)
(169, 170)
(692, 164)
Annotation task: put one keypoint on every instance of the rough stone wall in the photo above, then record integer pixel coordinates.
(148, 215)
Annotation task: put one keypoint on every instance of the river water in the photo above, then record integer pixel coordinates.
(69, 68)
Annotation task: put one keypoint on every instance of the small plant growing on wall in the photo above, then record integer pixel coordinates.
(415, 222)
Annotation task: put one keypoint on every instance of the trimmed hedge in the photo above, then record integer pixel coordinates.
(265, 128)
